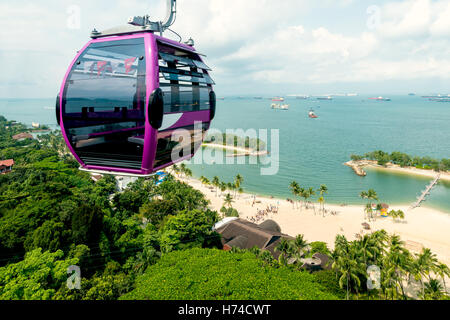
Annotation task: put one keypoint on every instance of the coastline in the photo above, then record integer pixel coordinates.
(237, 151)
(423, 227)
(358, 168)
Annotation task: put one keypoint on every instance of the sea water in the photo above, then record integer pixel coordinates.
(312, 151)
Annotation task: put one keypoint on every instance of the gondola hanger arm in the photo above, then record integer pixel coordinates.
(157, 26)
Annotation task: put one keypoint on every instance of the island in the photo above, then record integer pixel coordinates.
(400, 162)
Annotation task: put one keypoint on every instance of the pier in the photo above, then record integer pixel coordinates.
(426, 192)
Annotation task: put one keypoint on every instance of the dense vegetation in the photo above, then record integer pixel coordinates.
(405, 160)
(157, 242)
(52, 215)
(219, 275)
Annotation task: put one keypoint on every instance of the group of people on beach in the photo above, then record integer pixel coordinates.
(263, 214)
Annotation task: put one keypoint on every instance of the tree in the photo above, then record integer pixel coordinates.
(433, 290)
(198, 274)
(228, 201)
(87, 223)
(188, 229)
(283, 247)
(346, 265)
(299, 246)
(216, 183)
(37, 277)
(443, 270)
(229, 212)
(183, 168)
(322, 191)
(369, 195)
(238, 182)
(295, 188)
(368, 210)
(310, 193)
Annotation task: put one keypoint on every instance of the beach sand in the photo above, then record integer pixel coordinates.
(358, 167)
(423, 227)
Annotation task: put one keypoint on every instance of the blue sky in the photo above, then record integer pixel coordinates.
(268, 47)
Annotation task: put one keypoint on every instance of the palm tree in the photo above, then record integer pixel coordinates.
(295, 188)
(349, 269)
(302, 193)
(283, 247)
(300, 245)
(433, 290)
(379, 208)
(443, 270)
(182, 168)
(323, 190)
(425, 263)
(223, 187)
(368, 210)
(370, 195)
(228, 201)
(238, 182)
(240, 191)
(397, 265)
(216, 183)
(176, 169)
(312, 193)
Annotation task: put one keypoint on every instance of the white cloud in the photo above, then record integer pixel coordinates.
(250, 44)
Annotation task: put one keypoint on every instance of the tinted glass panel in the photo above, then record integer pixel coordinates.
(104, 104)
(179, 98)
(167, 146)
(184, 80)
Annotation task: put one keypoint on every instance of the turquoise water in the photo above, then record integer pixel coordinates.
(312, 151)
(30, 110)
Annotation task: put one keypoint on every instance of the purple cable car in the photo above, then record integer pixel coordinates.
(124, 95)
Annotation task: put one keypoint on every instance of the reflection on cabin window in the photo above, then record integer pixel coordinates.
(167, 146)
(104, 104)
(184, 80)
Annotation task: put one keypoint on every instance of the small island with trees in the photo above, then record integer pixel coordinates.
(400, 162)
(238, 146)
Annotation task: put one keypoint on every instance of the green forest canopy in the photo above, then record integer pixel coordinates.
(218, 275)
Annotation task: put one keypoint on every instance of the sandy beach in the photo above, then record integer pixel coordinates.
(236, 151)
(423, 227)
(358, 167)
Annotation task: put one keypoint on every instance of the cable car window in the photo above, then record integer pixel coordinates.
(184, 80)
(104, 104)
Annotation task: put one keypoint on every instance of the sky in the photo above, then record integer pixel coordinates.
(255, 47)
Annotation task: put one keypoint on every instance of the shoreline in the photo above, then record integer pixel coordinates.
(423, 227)
(237, 151)
(358, 168)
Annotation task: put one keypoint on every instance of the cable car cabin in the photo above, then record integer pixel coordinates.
(124, 96)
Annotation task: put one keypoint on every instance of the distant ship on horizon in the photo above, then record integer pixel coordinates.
(280, 107)
(380, 99)
(278, 99)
